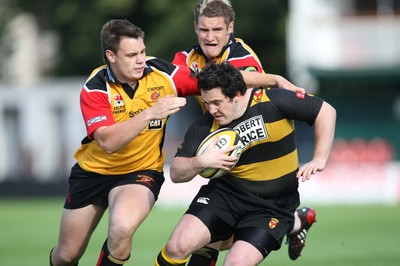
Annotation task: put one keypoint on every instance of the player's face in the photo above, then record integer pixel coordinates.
(129, 62)
(213, 34)
(223, 109)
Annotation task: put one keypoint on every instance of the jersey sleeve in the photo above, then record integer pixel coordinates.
(180, 58)
(248, 63)
(96, 109)
(184, 78)
(244, 58)
(296, 106)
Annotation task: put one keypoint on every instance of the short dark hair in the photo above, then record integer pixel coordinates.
(112, 33)
(214, 8)
(224, 76)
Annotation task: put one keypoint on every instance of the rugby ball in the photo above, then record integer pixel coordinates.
(227, 137)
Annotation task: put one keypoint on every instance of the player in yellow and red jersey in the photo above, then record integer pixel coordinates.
(121, 102)
(214, 25)
(125, 105)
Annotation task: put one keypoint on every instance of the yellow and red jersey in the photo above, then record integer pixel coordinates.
(106, 101)
(237, 52)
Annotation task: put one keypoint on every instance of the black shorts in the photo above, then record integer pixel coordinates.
(226, 210)
(87, 188)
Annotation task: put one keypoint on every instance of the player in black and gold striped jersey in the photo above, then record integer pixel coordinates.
(214, 22)
(255, 201)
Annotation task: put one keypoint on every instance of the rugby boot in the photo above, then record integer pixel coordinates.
(297, 241)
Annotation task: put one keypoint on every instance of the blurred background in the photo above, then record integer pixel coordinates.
(345, 51)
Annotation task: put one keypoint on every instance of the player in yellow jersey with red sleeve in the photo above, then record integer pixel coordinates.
(121, 102)
(214, 26)
(125, 105)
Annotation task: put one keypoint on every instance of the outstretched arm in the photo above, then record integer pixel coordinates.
(117, 136)
(256, 79)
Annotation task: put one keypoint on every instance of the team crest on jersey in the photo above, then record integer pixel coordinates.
(251, 130)
(155, 92)
(155, 95)
(118, 101)
(119, 104)
(257, 95)
(273, 222)
(155, 124)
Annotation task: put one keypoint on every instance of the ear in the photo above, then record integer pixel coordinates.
(110, 56)
(237, 97)
(195, 26)
(231, 27)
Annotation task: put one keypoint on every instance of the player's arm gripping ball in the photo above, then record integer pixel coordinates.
(227, 137)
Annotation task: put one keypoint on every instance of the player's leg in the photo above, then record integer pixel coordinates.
(189, 235)
(296, 239)
(243, 253)
(251, 246)
(208, 255)
(77, 225)
(129, 206)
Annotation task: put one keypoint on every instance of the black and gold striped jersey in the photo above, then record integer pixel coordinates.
(105, 101)
(269, 160)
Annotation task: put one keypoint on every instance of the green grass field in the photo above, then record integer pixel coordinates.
(344, 235)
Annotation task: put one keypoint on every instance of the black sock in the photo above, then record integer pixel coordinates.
(204, 257)
(106, 259)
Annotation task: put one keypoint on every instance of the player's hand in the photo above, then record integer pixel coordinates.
(166, 106)
(309, 169)
(285, 84)
(213, 157)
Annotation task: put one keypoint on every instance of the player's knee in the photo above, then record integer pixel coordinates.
(120, 239)
(177, 249)
(64, 257)
(122, 232)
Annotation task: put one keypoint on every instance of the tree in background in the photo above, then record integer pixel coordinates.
(168, 25)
